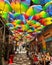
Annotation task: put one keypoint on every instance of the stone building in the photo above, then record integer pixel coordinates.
(4, 31)
(45, 39)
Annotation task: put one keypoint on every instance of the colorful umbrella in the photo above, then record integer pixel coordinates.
(48, 8)
(9, 24)
(31, 22)
(7, 1)
(40, 1)
(21, 17)
(5, 15)
(5, 7)
(46, 21)
(34, 10)
(40, 15)
(19, 7)
(30, 30)
(16, 14)
(17, 21)
(25, 27)
(43, 14)
(36, 1)
(26, 1)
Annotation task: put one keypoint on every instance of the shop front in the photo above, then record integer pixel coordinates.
(49, 44)
(46, 39)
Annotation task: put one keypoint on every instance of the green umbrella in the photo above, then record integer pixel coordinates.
(17, 21)
(36, 1)
(5, 15)
(16, 14)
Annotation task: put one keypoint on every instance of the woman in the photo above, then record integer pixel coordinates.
(35, 60)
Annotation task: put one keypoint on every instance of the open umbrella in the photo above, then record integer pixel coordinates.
(36, 1)
(9, 24)
(40, 15)
(25, 27)
(40, 1)
(17, 21)
(48, 8)
(31, 22)
(5, 15)
(7, 1)
(16, 14)
(34, 10)
(26, 1)
(21, 17)
(5, 7)
(19, 7)
(46, 21)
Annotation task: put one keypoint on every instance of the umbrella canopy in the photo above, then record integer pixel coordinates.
(17, 21)
(5, 15)
(19, 7)
(40, 15)
(26, 1)
(5, 7)
(48, 8)
(21, 17)
(36, 1)
(46, 21)
(7, 1)
(9, 24)
(25, 27)
(31, 22)
(34, 10)
(16, 14)
(40, 1)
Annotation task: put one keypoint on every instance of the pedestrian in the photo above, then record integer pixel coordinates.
(35, 60)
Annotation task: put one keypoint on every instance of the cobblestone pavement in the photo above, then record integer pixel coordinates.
(21, 59)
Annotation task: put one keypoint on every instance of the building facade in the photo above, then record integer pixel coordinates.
(45, 39)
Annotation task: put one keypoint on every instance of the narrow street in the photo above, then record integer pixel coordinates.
(21, 59)
(25, 32)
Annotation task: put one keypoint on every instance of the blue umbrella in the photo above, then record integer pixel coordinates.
(44, 1)
(9, 24)
(26, 1)
(37, 8)
(30, 17)
(41, 2)
(49, 10)
(21, 17)
(7, 1)
(10, 19)
(11, 15)
(32, 28)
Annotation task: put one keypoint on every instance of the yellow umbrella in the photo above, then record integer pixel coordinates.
(19, 7)
(48, 20)
(31, 12)
(5, 7)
